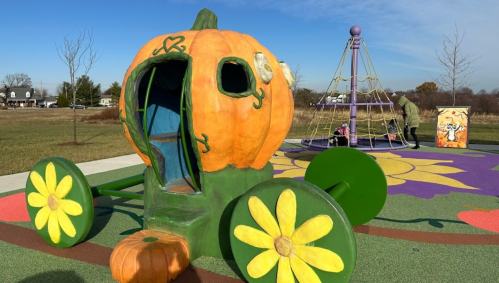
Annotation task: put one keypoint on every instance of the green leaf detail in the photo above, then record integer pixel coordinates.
(205, 142)
(259, 97)
(174, 41)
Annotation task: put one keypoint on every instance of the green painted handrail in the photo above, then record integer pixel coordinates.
(182, 131)
(146, 135)
(112, 188)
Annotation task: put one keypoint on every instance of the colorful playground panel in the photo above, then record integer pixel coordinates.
(452, 126)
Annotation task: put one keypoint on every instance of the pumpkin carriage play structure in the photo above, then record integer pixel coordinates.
(379, 129)
(206, 109)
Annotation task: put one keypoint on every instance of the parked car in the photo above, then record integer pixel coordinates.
(78, 106)
(54, 105)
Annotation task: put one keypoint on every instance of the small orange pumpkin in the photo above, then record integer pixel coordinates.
(227, 126)
(149, 256)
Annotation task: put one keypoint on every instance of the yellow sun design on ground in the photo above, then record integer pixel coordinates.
(398, 170)
(294, 163)
(54, 208)
(286, 246)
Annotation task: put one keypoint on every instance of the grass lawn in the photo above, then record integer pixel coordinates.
(28, 136)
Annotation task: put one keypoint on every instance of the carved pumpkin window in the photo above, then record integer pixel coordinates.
(234, 77)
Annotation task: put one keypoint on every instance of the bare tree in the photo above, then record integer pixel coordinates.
(296, 87)
(457, 66)
(298, 80)
(74, 53)
(17, 80)
(41, 92)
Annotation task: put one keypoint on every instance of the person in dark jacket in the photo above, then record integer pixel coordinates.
(411, 119)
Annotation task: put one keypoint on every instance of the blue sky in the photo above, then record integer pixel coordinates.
(401, 36)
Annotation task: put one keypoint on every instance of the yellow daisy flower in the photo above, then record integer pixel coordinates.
(286, 246)
(54, 208)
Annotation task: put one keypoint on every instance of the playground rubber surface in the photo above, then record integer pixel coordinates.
(440, 223)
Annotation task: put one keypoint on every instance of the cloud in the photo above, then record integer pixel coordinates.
(413, 28)
(416, 67)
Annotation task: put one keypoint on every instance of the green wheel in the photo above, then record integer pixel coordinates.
(353, 179)
(59, 201)
(283, 228)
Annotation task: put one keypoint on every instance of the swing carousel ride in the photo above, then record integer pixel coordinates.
(336, 120)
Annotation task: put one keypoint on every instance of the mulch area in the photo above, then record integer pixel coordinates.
(95, 254)
(99, 255)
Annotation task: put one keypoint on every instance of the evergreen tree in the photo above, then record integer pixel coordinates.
(88, 93)
(62, 101)
(115, 92)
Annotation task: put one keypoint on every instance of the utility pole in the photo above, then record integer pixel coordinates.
(91, 98)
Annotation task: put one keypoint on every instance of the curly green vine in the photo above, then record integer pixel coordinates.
(259, 97)
(174, 44)
(205, 142)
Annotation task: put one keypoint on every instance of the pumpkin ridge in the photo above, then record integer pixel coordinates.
(194, 40)
(236, 38)
(189, 114)
(125, 257)
(234, 143)
(165, 257)
(164, 246)
(117, 252)
(113, 256)
(151, 257)
(277, 93)
(177, 251)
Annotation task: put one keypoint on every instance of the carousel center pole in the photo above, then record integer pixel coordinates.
(354, 32)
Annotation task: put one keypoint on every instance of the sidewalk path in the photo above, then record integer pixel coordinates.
(18, 181)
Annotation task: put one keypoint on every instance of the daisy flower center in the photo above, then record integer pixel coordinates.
(53, 202)
(284, 246)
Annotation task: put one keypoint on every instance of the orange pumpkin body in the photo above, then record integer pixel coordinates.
(239, 134)
(149, 256)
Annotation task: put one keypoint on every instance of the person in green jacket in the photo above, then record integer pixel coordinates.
(411, 119)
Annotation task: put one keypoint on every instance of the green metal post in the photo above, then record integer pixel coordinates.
(338, 190)
(182, 131)
(146, 135)
(112, 188)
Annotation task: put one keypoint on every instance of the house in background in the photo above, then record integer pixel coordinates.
(105, 100)
(2, 98)
(22, 97)
(49, 100)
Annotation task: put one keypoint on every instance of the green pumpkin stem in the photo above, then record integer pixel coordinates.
(206, 19)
